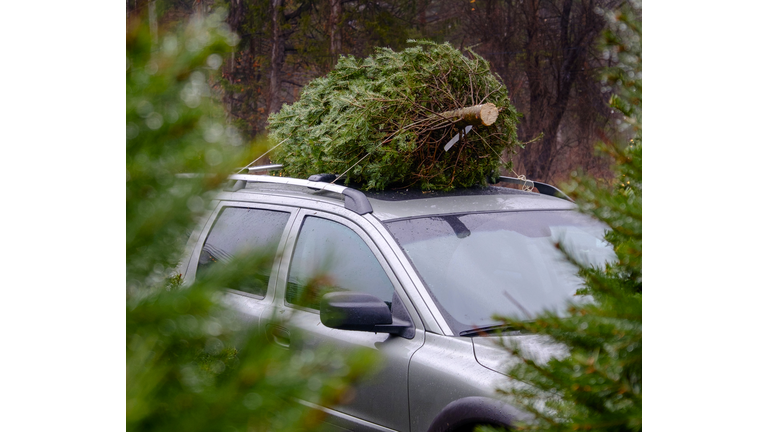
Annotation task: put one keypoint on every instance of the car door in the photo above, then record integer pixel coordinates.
(337, 254)
(238, 227)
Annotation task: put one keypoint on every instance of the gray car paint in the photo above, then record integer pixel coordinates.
(435, 368)
(384, 399)
(489, 353)
(445, 370)
(522, 201)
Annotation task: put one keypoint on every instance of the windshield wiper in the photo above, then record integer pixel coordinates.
(498, 328)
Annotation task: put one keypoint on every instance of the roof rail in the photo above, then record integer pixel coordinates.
(544, 189)
(354, 200)
(258, 168)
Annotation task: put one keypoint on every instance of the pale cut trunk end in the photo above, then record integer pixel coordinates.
(478, 115)
(488, 114)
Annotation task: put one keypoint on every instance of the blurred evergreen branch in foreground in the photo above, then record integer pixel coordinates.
(190, 364)
(598, 385)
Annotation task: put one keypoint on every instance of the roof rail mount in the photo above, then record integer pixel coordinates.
(356, 201)
(325, 178)
(544, 189)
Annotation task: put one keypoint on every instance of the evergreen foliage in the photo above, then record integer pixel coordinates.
(377, 119)
(598, 386)
(174, 124)
(189, 364)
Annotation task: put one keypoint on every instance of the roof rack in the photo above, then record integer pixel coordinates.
(544, 188)
(354, 200)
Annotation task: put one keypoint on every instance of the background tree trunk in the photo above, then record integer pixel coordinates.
(277, 58)
(334, 27)
(551, 76)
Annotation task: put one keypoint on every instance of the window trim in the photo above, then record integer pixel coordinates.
(195, 257)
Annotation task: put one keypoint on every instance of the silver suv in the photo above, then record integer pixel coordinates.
(416, 276)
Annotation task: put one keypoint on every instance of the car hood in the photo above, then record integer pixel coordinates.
(540, 349)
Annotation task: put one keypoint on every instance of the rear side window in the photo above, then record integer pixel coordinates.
(244, 230)
(331, 257)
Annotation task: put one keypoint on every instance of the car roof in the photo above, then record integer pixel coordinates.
(398, 204)
(390, 205)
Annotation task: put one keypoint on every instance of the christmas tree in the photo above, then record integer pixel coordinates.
(426, 117)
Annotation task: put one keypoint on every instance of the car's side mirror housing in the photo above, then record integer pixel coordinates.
(358, 311)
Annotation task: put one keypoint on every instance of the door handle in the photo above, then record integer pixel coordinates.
(281, 336)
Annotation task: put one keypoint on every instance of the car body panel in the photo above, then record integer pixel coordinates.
(489, 353)
(338, 421)
(383, 400)
(419, 378)
(445, 370)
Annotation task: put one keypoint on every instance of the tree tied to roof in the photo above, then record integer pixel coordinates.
(385, 120)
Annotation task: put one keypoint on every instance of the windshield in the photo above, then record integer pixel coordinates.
(478, 265)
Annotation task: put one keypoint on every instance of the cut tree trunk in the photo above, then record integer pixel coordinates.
(478, 115)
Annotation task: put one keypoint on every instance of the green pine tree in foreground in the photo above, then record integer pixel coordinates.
(190, 366)
(598, 387)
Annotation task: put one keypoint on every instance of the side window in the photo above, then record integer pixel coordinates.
(244, 230)
(331, 257)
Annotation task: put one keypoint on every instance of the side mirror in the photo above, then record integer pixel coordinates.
(365, 312)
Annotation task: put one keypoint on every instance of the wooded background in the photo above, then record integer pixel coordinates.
(545, 52)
